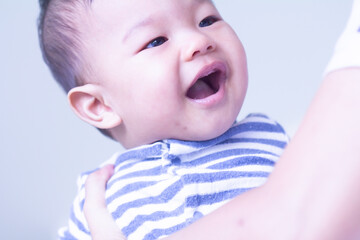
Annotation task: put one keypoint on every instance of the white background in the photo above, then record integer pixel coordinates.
(44, 146)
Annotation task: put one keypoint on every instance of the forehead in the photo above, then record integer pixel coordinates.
(129, 12)
(139, 5)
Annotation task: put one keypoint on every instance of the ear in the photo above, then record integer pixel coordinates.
(88, 104)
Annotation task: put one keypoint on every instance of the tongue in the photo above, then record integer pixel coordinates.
(200, 90)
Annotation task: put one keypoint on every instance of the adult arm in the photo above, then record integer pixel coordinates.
(313, 193)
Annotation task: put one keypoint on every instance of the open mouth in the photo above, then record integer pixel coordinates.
(206, 86)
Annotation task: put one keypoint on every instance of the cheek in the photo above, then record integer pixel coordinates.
(233, 43)
(157, 80)
(236, 53)
(152, 93)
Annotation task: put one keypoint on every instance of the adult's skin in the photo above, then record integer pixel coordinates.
(313, 193)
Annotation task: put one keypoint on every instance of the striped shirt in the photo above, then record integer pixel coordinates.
(160, 188)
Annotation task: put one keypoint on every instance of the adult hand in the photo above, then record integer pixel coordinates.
(102, 225)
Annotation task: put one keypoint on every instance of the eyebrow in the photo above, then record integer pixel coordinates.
(145, 22)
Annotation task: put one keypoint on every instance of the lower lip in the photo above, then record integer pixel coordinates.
(213, 99)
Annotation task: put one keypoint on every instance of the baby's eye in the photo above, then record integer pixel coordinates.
(156, 42)
(208, 21)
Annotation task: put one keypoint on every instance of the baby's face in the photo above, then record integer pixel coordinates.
(168, 68)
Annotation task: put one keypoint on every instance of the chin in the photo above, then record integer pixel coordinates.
(210, 132)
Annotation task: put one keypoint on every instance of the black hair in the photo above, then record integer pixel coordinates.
(60, 36)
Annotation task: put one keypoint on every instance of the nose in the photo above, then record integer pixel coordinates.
(197, 44)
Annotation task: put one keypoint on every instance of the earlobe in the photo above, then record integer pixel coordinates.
(88, 104)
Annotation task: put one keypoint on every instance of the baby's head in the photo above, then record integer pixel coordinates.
(146, 70)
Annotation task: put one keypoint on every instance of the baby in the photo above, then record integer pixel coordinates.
(166, 79)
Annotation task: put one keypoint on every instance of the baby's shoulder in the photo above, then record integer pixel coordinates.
(261, 125)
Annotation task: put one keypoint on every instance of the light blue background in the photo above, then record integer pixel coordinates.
(44, 146)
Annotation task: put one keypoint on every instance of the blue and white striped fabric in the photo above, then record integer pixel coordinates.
(160, 188)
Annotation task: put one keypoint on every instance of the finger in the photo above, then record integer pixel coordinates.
(95, 186)
(101, 224)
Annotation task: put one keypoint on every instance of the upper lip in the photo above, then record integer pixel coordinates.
(216, 66)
